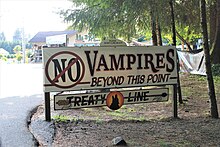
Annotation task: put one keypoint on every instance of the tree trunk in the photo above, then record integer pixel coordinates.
(174, 44)
(211, 88)
(212, 22)
(173, 23)
(182, 44)
(216, 45)
(158, 31)
(153, 28)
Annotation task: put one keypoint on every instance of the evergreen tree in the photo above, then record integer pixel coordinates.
(2, 36)
(17, 36)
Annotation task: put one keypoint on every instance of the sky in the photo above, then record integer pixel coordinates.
(33, 15)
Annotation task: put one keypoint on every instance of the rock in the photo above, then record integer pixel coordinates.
(118, 141)
(42, 130)
(187, 110)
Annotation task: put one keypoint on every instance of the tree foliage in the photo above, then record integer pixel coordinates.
(17, 48)
(9, 46)
(17, 37)
(112, 18)
(130, 18)
(2, 36)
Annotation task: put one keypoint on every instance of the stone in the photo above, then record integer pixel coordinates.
(119, 141)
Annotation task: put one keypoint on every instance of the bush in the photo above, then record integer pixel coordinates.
(4, 58)
(28, 54)
(216, 69)
(18, 57)
(13, 56)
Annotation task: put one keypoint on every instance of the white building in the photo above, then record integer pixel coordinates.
(3, 52)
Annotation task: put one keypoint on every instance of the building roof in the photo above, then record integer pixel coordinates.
(41, 36)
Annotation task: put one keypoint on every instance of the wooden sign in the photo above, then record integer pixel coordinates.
(67, 69)
(114, 99)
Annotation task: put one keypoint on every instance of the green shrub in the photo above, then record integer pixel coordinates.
(28, 54)
(216, 69)
(18, 57)
(4, 58)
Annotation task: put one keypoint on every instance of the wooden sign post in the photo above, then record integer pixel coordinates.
(100, 68)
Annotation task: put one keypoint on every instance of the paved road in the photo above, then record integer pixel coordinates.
(20, 91)
(20, 79)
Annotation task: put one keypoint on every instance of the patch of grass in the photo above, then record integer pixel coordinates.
(130, 110)
(65, 119)
(217, 79)
(125, 114)
(99, 121)
(202, 78)
(197, 77)
(61, 118)
(191, 76)
(163, 143)
(141, 119)
(116, 113)
(184, 144)
(186, 91)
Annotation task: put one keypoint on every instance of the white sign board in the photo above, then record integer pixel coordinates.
(67, 69)
(56, 39)
(113, 42)
(71, 101)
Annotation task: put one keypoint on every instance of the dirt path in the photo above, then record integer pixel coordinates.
(143, 124)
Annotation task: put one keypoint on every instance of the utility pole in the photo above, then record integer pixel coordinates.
(23, 42)
(0, 17)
